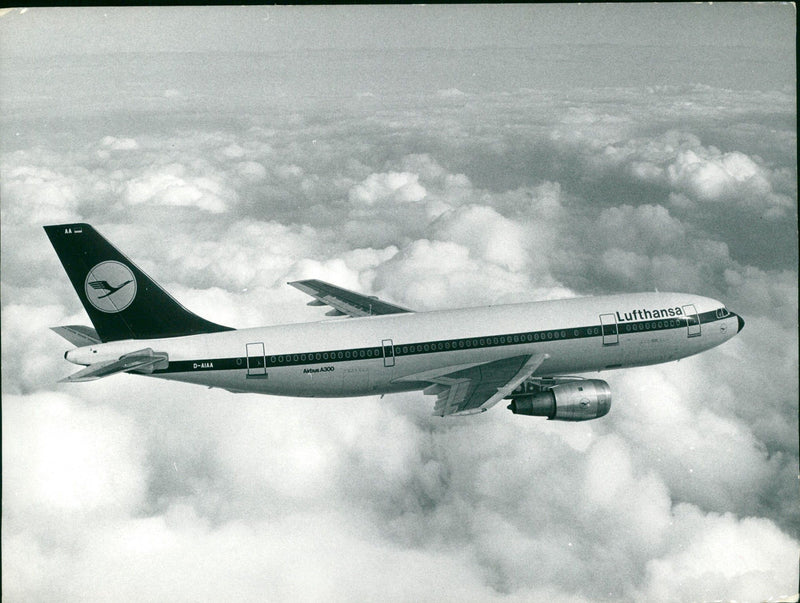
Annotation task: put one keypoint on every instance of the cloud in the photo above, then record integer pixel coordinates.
(402, 187)
(30, 323)
(450, 93)
(763, 293)
(711, 546)
(56, 195)
(487, 235)
(440, 274)
(646, 228)
(120, 144)
(703, 173)
(727, 176)
(68, 465)
(171, 186)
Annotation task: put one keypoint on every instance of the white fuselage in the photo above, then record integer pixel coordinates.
(391, 353)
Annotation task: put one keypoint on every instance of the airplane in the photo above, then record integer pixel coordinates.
(469, 359)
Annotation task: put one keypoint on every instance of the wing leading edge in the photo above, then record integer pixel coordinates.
(477, 388)
(345, 302)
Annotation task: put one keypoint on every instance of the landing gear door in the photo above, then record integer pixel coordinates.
(608, 324)
(692, 320)
(256, 366)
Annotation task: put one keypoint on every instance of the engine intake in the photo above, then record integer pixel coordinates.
(581, 400)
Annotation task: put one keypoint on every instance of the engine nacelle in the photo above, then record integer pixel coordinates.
(581, 400)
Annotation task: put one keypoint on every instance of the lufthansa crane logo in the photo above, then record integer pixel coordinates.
(110, 286)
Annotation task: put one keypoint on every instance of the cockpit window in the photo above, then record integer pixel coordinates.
(723, 312)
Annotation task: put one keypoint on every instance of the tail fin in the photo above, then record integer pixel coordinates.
(121, 300)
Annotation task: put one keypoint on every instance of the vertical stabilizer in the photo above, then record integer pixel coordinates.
(121, 300)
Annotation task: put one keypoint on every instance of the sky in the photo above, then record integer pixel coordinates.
(435, 157)
(272, 28)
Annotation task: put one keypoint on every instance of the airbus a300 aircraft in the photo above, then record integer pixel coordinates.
(470, 359)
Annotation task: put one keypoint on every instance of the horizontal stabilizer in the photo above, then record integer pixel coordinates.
(142, 361)
(78, 335)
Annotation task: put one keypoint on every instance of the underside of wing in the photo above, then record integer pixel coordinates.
(478, 388)
(345, 302)
(143, 361)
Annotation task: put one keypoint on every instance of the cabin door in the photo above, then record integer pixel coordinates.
(692, 320)
(256, 367)
(388, 352)
(608, 324)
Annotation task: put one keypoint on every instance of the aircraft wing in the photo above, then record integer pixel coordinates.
(143, 361)
(345, 302)
(478, 388)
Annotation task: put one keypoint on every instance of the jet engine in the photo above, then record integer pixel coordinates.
(580, 400)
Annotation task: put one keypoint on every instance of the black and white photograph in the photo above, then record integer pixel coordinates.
(449, 302)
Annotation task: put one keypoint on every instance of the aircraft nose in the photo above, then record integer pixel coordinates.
(741, 322)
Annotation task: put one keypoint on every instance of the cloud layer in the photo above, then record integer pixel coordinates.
(129, 488)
